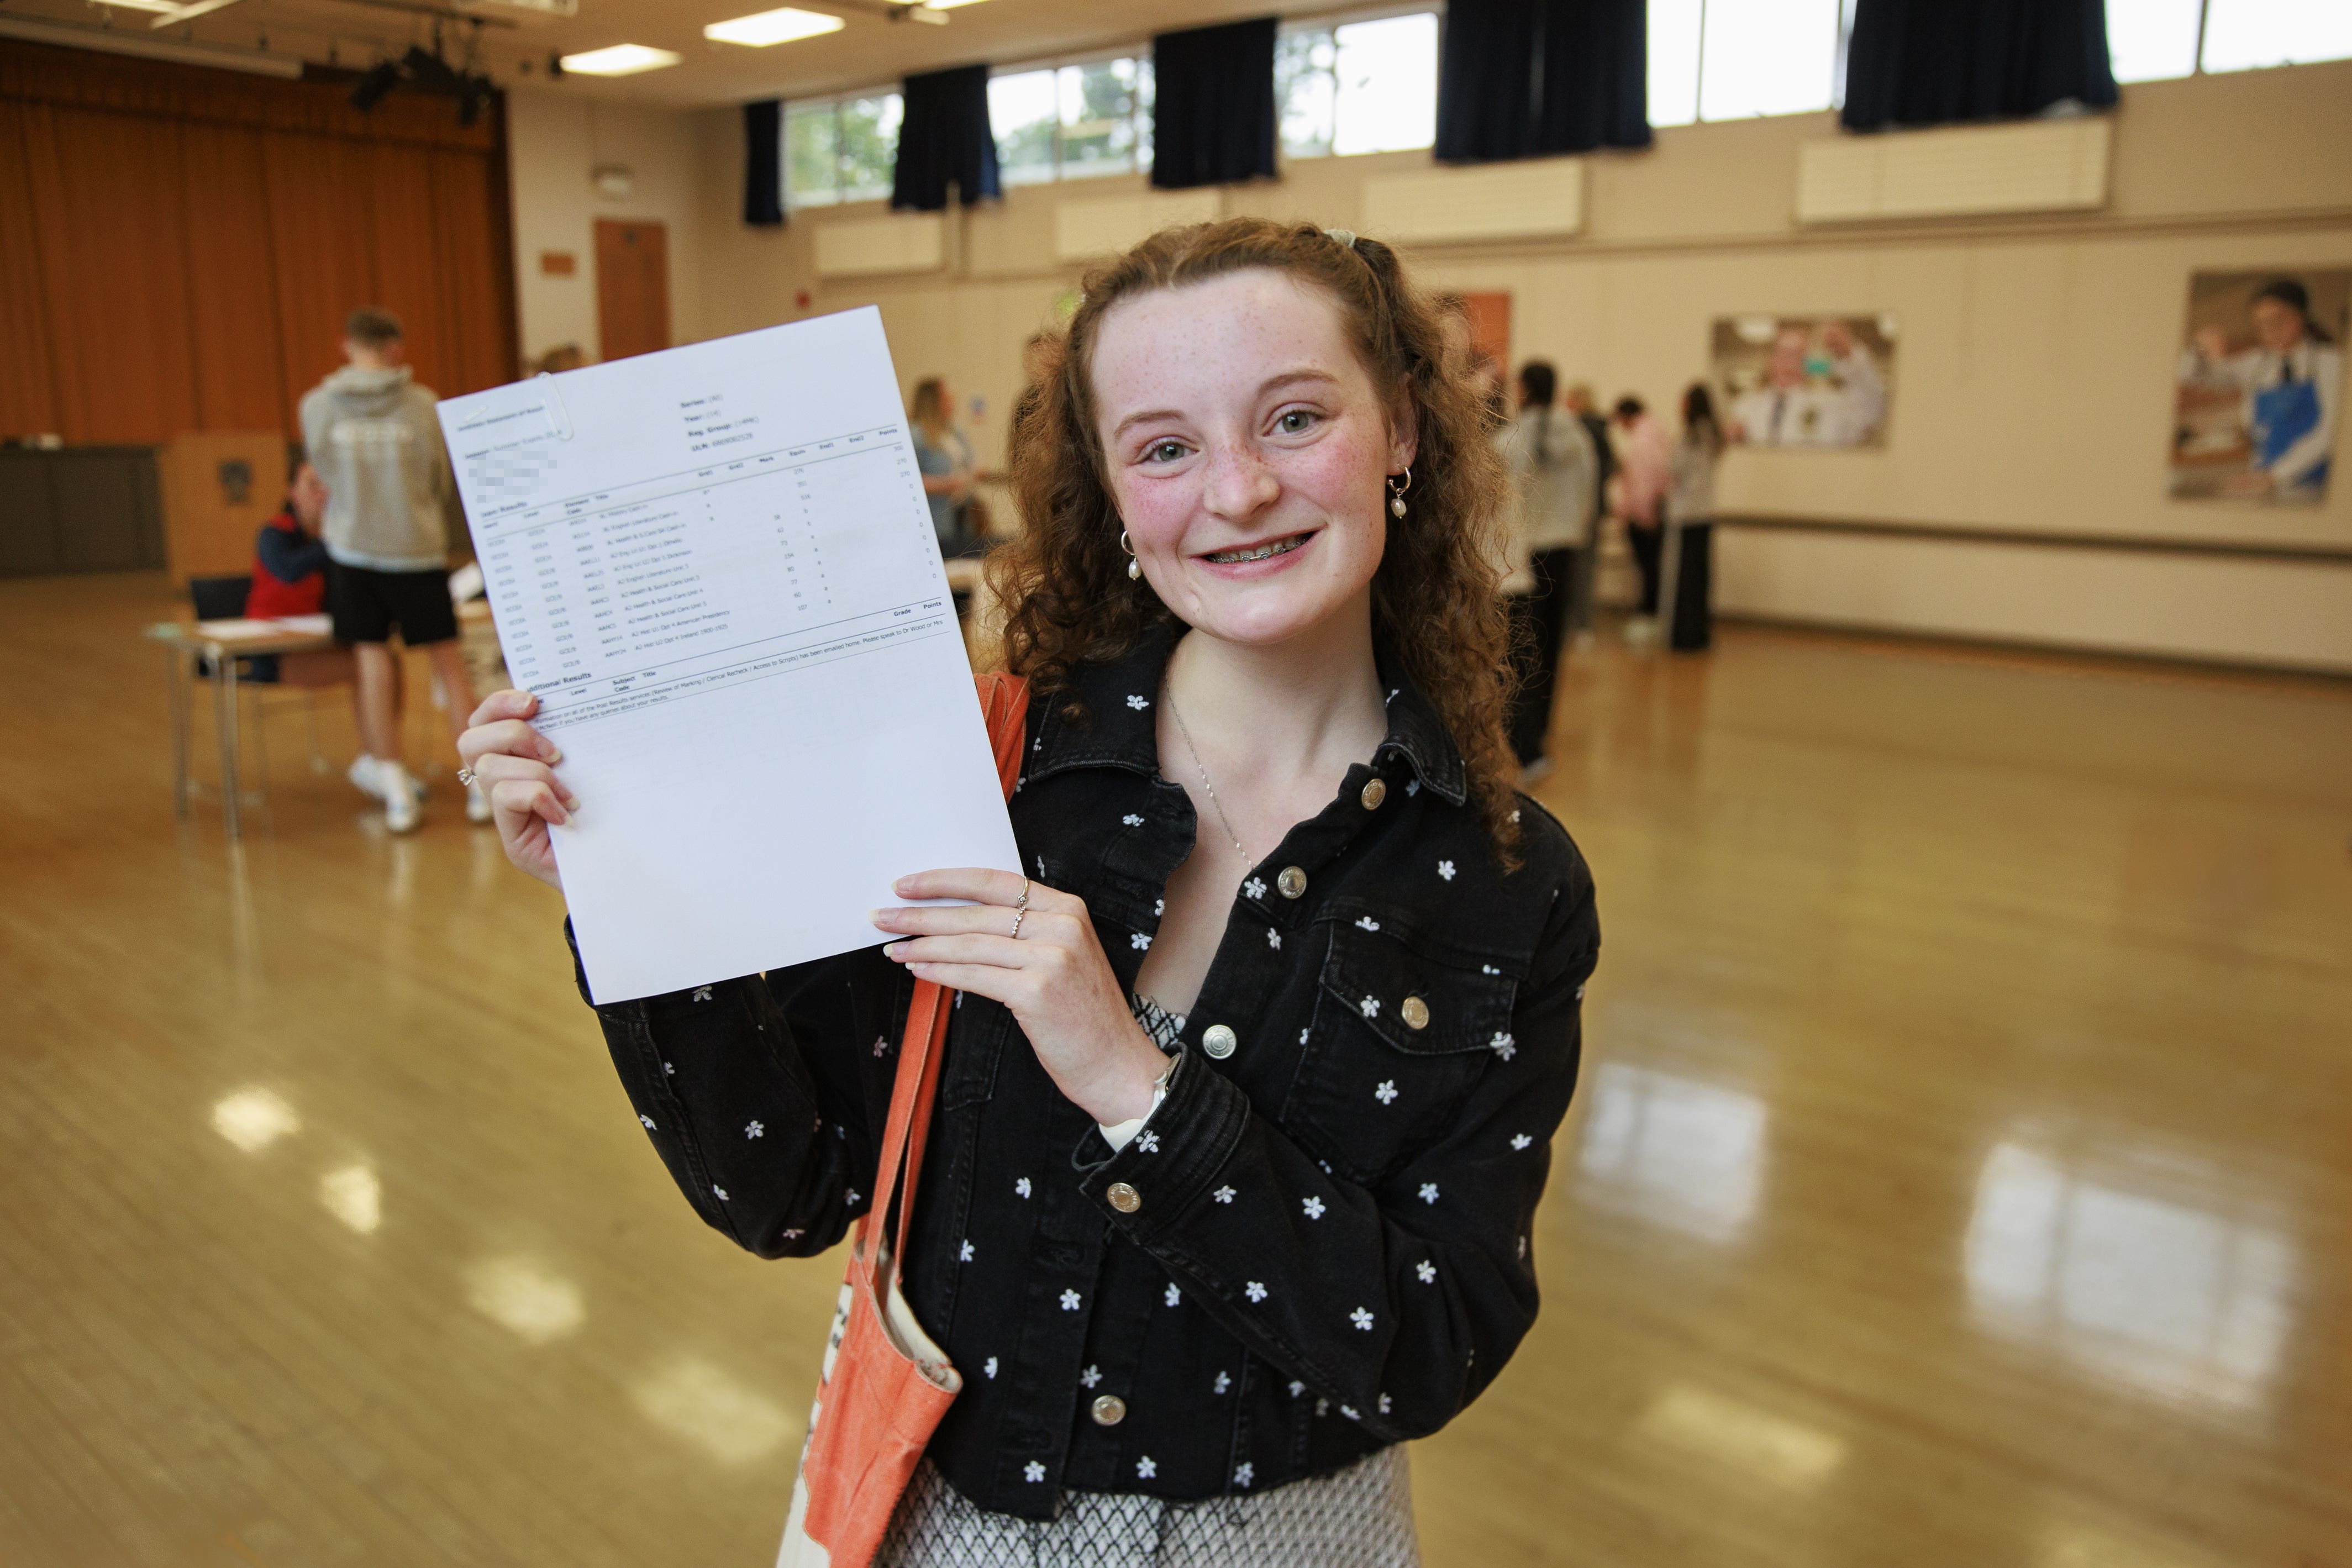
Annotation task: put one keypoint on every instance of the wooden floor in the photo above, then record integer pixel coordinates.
(1961, 1174)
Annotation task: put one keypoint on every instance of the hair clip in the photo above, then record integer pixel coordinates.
(1344, 237)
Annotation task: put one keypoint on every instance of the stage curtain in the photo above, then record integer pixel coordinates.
(1213, 118)
(1529, 79)
(763, 162)
(944, 136)
(1937, 62)
(179, 246)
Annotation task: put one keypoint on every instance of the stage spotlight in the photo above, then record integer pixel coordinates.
(380, 78)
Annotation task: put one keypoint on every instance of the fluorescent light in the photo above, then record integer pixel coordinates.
(620, 60)
(780, 25)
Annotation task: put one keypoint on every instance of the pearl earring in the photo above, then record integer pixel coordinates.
(1134, 567)
(1396, 493)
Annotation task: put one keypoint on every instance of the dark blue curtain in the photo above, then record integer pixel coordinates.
(1934, 62)
(763, 162)
(945, 137)
(1526, 78)
(1214, 120)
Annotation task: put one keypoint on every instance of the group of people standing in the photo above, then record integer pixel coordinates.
(1570, 468)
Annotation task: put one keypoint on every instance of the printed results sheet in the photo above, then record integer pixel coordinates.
(716, 567)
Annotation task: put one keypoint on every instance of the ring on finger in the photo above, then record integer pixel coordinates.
(1021, 903)
(1019, 915)
(465, 777)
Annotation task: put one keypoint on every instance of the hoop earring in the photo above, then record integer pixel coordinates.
(1134, 567)
(1396, 493)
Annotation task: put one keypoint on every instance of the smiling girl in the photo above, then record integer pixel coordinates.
(1248, 1102)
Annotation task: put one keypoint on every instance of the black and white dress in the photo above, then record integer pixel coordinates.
(1361, 1517)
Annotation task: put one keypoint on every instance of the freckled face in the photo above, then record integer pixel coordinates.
(1247, 450)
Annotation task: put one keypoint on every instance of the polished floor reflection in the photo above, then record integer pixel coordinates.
(1961, 1173)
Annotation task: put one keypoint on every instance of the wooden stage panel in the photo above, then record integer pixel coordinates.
(1960, 1174)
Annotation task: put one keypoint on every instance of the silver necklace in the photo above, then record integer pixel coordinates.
(1168, 691)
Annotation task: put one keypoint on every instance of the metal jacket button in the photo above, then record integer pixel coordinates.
(1375, 793)
(1124, 1198)
(1219, 1041)
(1416, 1012)
(1110, 1410)
(1292, 882)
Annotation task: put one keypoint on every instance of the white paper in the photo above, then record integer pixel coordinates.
(715, 566)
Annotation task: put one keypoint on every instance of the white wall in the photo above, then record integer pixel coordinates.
(553, 142)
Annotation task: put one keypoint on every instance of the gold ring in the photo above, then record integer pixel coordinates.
(1022, 902)
(465, 777)
(1018, 916)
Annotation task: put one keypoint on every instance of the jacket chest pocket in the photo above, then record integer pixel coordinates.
(1399, 1036)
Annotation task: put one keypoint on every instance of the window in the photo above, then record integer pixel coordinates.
(2244, 35)
(1359, 86)
(1066, 123)
(2149, 40)
(1735, 59)
(842, 150)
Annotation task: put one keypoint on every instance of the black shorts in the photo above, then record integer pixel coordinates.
(365, 605)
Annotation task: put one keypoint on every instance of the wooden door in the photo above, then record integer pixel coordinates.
(632, 287)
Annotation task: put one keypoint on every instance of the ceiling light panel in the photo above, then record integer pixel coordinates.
(620, 60)
(783, 25)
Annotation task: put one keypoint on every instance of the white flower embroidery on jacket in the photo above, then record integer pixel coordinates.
(1384, 1405)
(963, 1253)
(1446, 869)
(1243, 1474)
(1147, 1142)
(1021, 1187)
(1505, 1047)
(1139, 940)
(988, 1369)
(754, 1128)
(1224, 1381)
(647, 1120)
(1092, 1375)
(1313, 1206)
(1520, 1141)
(1362, 1318)
(702, 993)
(1173, 1296)
(1274, 938)
(1032, 1471)
(1144, 1469)
(1254, 1290)
(1069, 1300)
(1365, 922)
(1132, 820)
(722, 1192)
(1138, 703)
(1386, 1094)
(1427, 1270)
(1429, 1191)
(1255, 888)
(1223, 1195)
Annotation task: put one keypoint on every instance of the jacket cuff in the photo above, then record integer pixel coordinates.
(1144, 1188)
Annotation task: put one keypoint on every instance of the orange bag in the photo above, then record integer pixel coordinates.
(884, 1384)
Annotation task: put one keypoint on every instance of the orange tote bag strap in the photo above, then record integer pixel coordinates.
(884, 1384)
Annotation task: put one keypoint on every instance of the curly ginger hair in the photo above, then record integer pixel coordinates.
(1435, 606)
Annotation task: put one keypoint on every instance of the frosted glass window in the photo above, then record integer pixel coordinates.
(1769, 57)
(2152, 40)
(1386, 99)
(1673, 61)
(2242, 35)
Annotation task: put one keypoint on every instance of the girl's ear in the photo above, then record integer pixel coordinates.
(1404, 428)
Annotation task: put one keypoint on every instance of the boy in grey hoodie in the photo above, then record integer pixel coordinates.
(372, 436)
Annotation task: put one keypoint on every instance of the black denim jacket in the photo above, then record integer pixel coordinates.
(1321, 1244)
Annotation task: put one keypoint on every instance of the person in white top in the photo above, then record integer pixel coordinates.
(2291, 380)
(1834, 398)
(1551, 461)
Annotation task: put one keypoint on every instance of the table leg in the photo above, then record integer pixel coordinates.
(225, 711)
(175, 686)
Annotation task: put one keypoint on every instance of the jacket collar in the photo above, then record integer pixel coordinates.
(1119, 729)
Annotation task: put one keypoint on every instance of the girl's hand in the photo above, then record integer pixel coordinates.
(515, 764)
(1054, 978)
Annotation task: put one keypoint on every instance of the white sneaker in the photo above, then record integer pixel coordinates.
(403, 806)
(477, 804)
(367, 777)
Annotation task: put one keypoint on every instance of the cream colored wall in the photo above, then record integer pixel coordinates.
(552, 144)
(2032, 385)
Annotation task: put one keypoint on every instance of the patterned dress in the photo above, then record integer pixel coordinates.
(1360, 1517)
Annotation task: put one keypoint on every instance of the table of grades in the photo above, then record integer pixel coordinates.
(715, 575)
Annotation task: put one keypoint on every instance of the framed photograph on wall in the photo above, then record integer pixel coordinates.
(2259, 386)
(1805, 381)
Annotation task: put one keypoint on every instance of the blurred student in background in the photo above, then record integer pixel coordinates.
(1550, 459)
(1644, 473)
(944, 456)
(370, 431)
(1690, 514)
(290, 578)
(1579, 402)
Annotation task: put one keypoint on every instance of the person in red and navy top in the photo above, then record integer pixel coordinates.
(290, 578)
